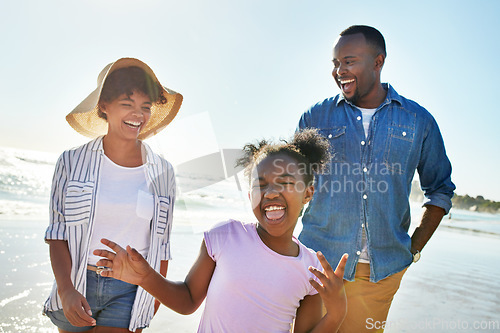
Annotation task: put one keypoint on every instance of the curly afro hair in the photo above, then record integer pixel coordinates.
(307, 146)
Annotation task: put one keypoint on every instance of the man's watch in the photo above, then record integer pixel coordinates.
(416, 255)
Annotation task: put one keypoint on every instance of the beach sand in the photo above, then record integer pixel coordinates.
(454, 287)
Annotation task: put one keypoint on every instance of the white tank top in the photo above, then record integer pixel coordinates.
(367, 117)
(124, 208)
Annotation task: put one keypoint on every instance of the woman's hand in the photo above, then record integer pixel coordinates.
(331, 289)
(76, 308)
(126, 265)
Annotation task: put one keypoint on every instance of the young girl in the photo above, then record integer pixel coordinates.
(256, 277)
(114, 186)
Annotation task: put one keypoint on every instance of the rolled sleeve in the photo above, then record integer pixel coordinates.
(56, 231)
(439, 200)
(57, 224)
(434, 170)
(165, 253)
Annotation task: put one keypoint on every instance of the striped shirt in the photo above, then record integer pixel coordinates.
(72, 209)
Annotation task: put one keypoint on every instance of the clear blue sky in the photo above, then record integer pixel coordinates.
(248, 69)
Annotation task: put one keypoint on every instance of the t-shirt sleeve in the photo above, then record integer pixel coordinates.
(314, 262)
(215, 239)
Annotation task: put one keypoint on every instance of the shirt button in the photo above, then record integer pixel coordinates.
(362, 225)
(404, 133)
(358, 253)
(365, 169)
(358, 118)
(365, 196)
(329, 136)
(363, 143)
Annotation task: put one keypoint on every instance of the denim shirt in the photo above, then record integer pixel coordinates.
(368, 181)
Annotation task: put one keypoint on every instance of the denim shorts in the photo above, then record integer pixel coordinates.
(110, 300)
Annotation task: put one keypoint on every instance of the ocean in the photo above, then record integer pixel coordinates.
(454, 287)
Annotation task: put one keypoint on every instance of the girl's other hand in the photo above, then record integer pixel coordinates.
(331, 289)
(126, 265)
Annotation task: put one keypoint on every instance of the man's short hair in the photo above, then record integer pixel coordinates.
(373, 36)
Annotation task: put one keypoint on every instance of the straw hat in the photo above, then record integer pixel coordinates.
(84, 118)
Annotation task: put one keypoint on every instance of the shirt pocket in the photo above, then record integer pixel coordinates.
(145, 205)
(163, 215)
(398, 148)
(78, 202)
(336, 137)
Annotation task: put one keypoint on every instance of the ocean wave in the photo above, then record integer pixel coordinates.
(25, 175)
(6, 301)
(12, 209)
(479, 229)
(12, 156)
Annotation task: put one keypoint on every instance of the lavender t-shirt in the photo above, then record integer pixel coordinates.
(253, 288)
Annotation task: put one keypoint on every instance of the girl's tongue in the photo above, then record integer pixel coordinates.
(275, 214)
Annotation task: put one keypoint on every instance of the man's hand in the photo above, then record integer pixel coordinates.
(126, 265)
(331, 289)
(76, 308)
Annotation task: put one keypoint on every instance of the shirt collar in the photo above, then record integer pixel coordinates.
(392, 95)
(97, 145)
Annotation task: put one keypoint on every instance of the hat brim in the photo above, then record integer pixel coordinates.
(85, 120)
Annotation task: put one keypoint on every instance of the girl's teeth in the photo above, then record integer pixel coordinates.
(274, 208)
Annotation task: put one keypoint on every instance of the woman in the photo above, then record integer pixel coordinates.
(113, 186)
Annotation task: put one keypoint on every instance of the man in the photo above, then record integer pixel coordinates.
(361, 204)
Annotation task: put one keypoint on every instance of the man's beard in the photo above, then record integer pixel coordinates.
(354, 99)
